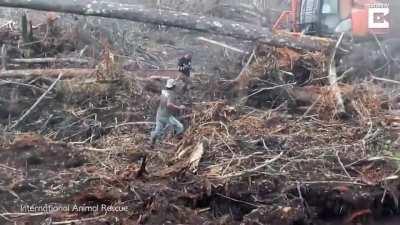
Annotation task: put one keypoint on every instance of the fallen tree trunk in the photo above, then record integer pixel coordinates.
(49, 60)
(81, 72)
(139, 13)
(67, 73)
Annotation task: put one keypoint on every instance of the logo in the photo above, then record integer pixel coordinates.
(378, 16)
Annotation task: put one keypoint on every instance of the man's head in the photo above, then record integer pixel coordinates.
(170, 84)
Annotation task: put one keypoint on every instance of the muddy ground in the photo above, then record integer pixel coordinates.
(82, 155)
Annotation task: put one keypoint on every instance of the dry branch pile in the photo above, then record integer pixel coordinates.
(285, 157)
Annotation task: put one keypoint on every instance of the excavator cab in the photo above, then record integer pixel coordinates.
(316, 17)
(322, 17)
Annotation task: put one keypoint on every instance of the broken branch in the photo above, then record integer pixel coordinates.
(221, 44)
(255, 169)
(36, 103)
(332, 76)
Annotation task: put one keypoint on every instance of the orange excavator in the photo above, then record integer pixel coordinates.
(361, 18)
(372, 25)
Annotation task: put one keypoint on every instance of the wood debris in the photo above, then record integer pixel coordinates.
(264, 144)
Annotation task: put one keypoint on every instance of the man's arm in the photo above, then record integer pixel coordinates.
(172, 106)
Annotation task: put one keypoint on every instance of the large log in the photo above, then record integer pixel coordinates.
(172, 18)
(67, 73)
(49, 60)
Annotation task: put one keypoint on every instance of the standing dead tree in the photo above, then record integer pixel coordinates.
(184, 20)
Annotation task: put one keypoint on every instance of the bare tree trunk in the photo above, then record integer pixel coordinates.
(67, 73)
(50, 60)
(171, 18)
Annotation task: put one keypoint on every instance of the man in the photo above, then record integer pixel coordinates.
(165, 112)
(185, 67)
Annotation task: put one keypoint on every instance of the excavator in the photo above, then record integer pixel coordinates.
(326, 17)
(372, 25)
